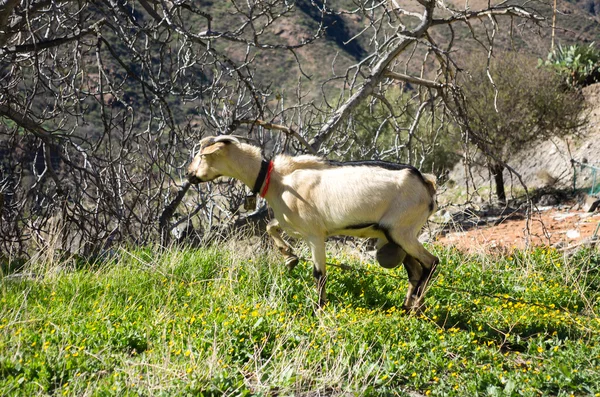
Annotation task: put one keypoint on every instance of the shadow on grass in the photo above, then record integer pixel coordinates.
(373, 290)
(20, 269)
(12, 267)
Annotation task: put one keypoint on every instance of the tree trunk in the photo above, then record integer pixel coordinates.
(497, 170)
(167, 214)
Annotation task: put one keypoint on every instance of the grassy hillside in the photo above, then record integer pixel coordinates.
(211, 322)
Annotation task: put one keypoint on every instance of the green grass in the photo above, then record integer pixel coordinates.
(209, 322)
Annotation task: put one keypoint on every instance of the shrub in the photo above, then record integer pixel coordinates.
(525, 104)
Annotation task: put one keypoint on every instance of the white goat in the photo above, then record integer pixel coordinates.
(313, 198)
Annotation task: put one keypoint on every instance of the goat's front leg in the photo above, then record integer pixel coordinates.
(317, 246)
(274, 230)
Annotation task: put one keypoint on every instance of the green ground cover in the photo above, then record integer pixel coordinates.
(208, 322)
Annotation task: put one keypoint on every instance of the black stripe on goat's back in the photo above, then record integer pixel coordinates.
(388, 165)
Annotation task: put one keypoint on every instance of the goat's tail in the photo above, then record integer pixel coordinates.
(430, 183)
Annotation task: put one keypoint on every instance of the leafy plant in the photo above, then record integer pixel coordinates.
(579, 65)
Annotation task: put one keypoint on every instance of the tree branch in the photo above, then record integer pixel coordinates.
(282, 128)
(32, 126)
(6, 8)
(25, 122)
(42, 45)
(233, 68)
(506, 10)
(374, 78)
(412, 79)
(167, 213)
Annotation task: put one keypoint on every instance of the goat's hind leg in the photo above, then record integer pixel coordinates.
(422, 285)
(415, 274)
(274, 230)
(420, 265)
(389, 256)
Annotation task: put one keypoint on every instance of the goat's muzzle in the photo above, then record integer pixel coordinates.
(194, 180)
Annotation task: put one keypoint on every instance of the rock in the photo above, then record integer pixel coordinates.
(548, 200)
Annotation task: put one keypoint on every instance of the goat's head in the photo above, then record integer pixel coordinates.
(211, 161)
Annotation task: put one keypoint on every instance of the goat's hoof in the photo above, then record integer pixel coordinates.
(390, 255)
(291, 262)
(414, 307)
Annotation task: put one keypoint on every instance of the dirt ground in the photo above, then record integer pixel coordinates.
(551, 227)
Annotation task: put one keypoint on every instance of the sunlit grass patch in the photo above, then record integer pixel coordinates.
(214, 322)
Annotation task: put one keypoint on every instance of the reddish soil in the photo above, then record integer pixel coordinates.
(552, 227)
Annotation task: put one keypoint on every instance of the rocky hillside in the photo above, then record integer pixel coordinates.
(342, 45)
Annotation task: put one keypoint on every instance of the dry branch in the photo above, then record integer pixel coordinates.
(515, 11)
(412, 79)
(282, 128)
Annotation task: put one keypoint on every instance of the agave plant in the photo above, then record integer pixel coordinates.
(578, 64)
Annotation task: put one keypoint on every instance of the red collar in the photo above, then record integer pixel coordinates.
(267, 180)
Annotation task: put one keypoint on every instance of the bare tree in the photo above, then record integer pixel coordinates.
(101, 102)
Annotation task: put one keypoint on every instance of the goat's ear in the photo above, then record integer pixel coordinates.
(215, 147)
